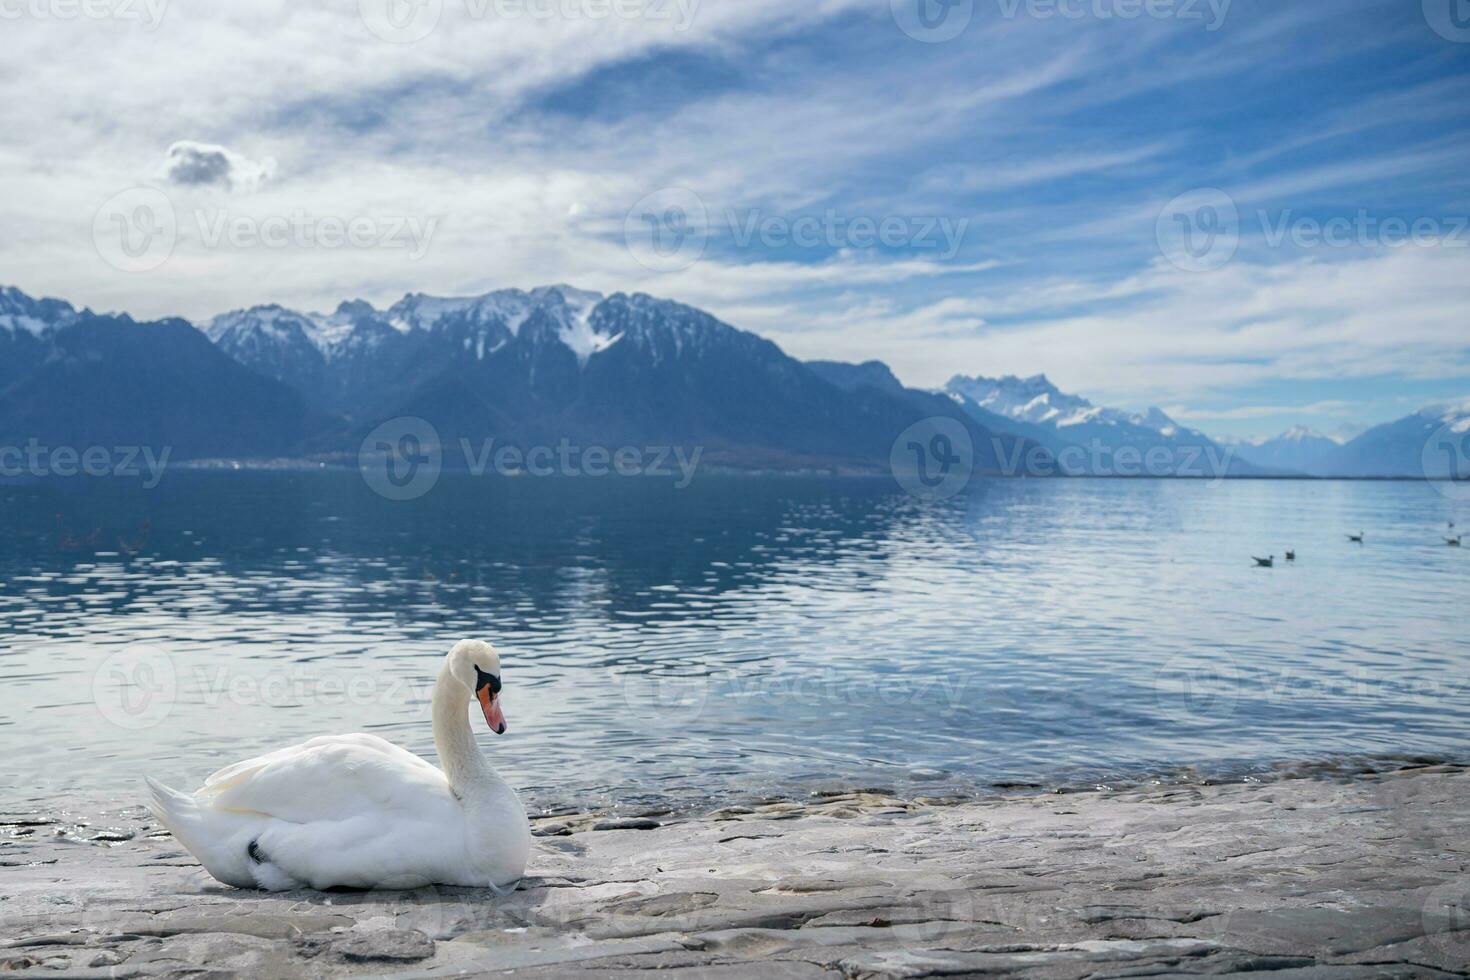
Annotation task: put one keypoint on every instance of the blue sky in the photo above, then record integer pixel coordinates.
(1034, 194)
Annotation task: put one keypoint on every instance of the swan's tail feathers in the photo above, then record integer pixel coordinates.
(204, 834)
(173, 809)
(180, 816)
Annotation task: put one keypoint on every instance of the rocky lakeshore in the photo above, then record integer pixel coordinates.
(1359, 877)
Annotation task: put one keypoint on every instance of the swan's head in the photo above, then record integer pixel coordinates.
(476, 665)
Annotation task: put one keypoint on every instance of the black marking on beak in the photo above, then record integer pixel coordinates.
(484, 680)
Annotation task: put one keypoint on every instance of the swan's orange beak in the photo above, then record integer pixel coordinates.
(494, 717)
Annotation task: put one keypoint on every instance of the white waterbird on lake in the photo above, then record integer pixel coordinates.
(356, 811)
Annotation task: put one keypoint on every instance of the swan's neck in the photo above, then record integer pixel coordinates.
(458, 752)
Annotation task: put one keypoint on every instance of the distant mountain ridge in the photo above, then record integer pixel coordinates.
(1297, 450)
(1094, 440)
(80, 379)
(536, 366)
(526, 368)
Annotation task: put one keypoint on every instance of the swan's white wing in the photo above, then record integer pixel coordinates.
(337, 777)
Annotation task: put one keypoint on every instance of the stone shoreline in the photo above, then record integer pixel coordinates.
(1365, 877)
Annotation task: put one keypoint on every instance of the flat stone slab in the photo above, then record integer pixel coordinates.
(1362, 877)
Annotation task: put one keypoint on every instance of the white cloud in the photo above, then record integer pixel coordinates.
(1178, 336)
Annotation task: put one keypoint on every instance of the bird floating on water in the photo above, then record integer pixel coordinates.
(1265, 562)
(1358, 538)
(1452, 542)
(1291, 556)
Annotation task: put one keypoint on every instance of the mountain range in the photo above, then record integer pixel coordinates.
(1089, 440)
(523, 368)
(558, 363)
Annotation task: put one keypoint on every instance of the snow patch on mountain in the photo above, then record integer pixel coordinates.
(569, 308)
(19, 312)
(1038, 401)
(575, 326)
(1456, 415)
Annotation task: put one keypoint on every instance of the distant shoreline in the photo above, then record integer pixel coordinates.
(308, 465)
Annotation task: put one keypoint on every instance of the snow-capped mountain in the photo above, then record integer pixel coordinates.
(1090, 437)
(526, 368)
(20, 313)
(1433, 442)
(1038, 401)
(1033, 399)
(24, 323)
(628, 369)
(348, 359)
(105, 380)
(539, 366)
(1297, 450)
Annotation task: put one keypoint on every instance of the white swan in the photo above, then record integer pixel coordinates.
(355, 811)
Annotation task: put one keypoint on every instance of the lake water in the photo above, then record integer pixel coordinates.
(738, 636)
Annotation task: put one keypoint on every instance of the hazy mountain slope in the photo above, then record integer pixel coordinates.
(111, 381)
